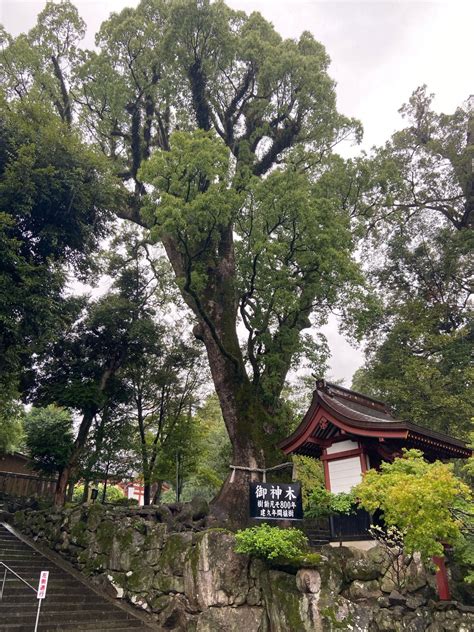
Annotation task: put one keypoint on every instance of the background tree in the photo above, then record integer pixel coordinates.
(420, 207)
(164, 384)
(49, 438)
(123, 370)
(108, 453)
(81, 370)
(53, 193)
(11, 424)
(161, 382)
(212, 451)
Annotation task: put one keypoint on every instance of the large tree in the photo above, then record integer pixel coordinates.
(81, 368)
(53, 198)
(49, 438)
(230, 130)
(421, 205)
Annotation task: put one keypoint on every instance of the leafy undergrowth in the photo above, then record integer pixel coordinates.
(280, 547)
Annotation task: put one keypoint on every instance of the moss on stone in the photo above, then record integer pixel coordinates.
(331, 622)
(51, 532)
(105, 535)
(155, 536)
(159, 603)
(282, 600)
(79, 534)
(19, 519)
(139, 579)
(119, 579)
(94, 564)
(95, 514)
(139, 525)
(192, 556)
(84, 558)
(289, 601)
(168, 583)
(124, 537)
(175, 552)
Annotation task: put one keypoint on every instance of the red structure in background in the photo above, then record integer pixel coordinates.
(136, 490)
(350, 432)
(133, 490)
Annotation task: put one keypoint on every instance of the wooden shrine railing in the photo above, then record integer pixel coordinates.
(22, 485)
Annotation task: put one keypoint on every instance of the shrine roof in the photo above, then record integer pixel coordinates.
(338, 409)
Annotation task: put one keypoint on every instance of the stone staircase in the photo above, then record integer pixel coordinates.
(317, 532)
(70, 604)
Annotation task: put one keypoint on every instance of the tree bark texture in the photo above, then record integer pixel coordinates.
(68, 472)
(248, 423)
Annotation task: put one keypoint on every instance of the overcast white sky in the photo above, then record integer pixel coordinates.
(381, 51)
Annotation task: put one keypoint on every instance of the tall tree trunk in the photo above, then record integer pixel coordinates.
(251, 432)
(146, 492)
(61, 487)
(85, 495)
(249, 425)
(69, 471)
(70, 491)
(157, 494)
(148, 460)
(84, 428)
(62, 483)
(104, 492)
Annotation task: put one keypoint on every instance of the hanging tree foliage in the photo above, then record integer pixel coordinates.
(420, 203)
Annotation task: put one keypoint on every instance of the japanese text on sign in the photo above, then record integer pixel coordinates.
(276, 501)
(43, 584)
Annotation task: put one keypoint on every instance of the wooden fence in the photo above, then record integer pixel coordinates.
(26, 485)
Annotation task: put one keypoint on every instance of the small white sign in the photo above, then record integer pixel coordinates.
(43, 584)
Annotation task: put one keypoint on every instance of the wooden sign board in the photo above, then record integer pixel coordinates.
(276, 501)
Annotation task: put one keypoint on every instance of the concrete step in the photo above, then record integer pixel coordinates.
(56, 609)
(20, 554)
(55, 587)
(25, 600)
(65, 614)
(65, 621)
(33, 570)
(54, 581)
(94, 626)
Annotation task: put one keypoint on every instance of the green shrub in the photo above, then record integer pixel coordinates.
(426, 501)
(124, 502)
(322, 503)
(273, 544)
(113, 494)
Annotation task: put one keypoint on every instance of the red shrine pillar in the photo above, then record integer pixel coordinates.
(442, 579)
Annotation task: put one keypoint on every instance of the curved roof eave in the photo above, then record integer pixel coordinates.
(364, 425)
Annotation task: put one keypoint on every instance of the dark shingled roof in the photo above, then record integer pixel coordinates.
(364, 416)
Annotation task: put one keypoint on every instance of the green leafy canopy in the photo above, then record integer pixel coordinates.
(425, 501)
(49, 438)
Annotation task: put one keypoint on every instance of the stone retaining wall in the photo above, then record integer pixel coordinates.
(193, 581)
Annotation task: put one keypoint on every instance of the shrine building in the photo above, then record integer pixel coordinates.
(350, 433)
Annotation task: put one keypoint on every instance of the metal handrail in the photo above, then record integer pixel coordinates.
(10, 570)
